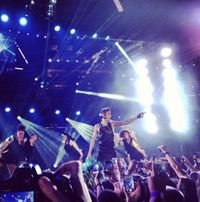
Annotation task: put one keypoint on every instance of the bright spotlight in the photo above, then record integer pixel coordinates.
(49, 60)
(19, 117)
(166, 52)
(67, 119)
(4, 18)
(169, 74)
(151, 123)
(55, 165)
(57, 112)
(142, 62)
(57, 28)
(94, 36)
(72, 31)
(78, 113)
(32, 110)
(107, 37)
(23, 21)
(166, 62)
(174, 100)
(7, 109)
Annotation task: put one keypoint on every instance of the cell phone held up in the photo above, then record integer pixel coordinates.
(129, 183)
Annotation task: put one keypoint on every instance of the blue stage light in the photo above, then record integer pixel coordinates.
(23, 21)
(57, 111)
(57, 28)
(7, 109)
(72, 31)
(32, 110)
(4, 18)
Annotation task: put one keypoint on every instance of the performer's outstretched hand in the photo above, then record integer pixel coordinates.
(141, 115)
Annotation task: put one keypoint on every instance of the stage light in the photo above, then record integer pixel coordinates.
(72, 31)
(107, 37)
(57, 28)
(108, 95)
(142, 62)
(166, 62)
(125, 54)
(169, 74)
(4, 18)
(36, 78)
(23, 21)
(19, 117)
(57, 112)
(78, 113)
(55, 165)
(83, 129)
(166, 52)
(7, 109)
(150, 123)
(94, 36)
(32, 110)
(49, 60)
(174, 100)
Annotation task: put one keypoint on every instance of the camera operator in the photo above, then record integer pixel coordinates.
(19, 150)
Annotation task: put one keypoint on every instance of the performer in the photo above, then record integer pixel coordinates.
(105, 133)
(71, 148)
(19, 150)
(131, 145)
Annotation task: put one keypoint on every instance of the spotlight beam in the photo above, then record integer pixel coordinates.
(47, 143)
(124, 53)
(118, 5)
(109, 96)
(22, 54)
(83, 129)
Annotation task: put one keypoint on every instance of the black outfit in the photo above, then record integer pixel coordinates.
(71, 151)
(106, 143)
(132, 151)
(17, 152)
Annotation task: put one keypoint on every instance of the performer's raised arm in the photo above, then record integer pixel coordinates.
(129, 121)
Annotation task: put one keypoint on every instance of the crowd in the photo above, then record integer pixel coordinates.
(154, 180)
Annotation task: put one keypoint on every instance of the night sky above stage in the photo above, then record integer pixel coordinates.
(94, 60)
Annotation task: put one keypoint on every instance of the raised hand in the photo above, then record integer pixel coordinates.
(140, 115)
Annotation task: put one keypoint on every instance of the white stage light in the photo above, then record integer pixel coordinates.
(57, 28)
(4, 18)
(23, 21)
(78, 113)
(57, 112)
(94, 35)
(72, 31)
(166, 52)
(150, 123)
(174, 100)
(32, 110)
(19, 117)
(7, 109)
(167, 63)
